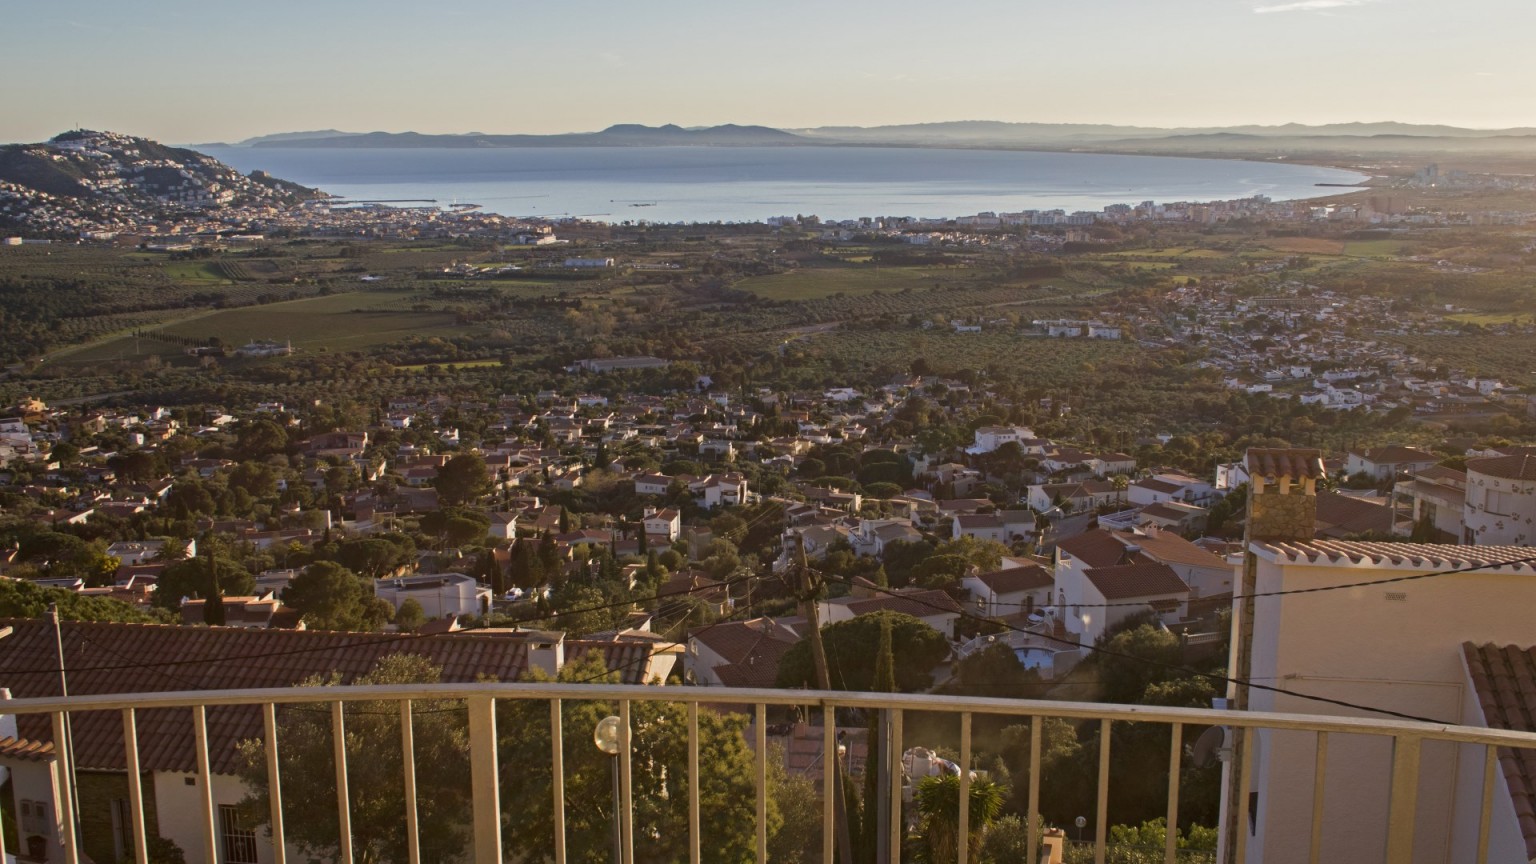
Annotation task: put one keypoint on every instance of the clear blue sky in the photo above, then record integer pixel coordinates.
(185, 71)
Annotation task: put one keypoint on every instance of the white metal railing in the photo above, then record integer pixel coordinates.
(480, 700)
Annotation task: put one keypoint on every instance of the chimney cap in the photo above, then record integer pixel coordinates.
(1285, 462)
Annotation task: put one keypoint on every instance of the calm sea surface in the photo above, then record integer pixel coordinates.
(733, 184)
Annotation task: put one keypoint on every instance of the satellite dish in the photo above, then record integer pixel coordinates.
(606, 735)
(1210, 743)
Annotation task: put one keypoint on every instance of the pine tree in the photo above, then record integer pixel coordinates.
(565, 521)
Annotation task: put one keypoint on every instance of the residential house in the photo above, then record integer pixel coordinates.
(935, 608)
(1012, 591)
(441, 595)
(663, 523)
(1435, 497)
(1427, 647)
(1501, 500)
(1385, 463)
(740, 653)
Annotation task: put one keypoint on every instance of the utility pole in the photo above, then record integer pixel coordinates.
(806, 583)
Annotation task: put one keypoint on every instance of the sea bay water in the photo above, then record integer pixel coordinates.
(745, 184)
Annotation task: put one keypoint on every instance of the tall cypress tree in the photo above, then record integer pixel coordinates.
(213, 607)
(874, 763)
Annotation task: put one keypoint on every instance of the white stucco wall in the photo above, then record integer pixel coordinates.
(1396, 647)
(179, 809)
(1490, 523)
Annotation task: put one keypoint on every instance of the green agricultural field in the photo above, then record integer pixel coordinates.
(1154, 254)
(1510, 358)
(816, 282)
(339, 322)
(1373, 248)
(1062, 362)
(194, 271)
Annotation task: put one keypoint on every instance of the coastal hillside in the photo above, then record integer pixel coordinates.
(96, 182)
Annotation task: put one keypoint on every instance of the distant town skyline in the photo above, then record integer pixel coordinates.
(186, 72)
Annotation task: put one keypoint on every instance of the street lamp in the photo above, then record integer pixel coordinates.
(606, 737)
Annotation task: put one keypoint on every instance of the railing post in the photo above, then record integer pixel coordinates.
(831, 766)
(485, 779)
(898, 826)
(1485, 819)
(1240, 819)
(695, 780)
(557, 786)
(274, 785)
(205, 784)
(1033, 817)
(963, 854)
(761, 736)
(1101, 821)
(66, 797)
(343, 790)
(135, 789)
(1171, 823)
(1319, 778)
(1405, 797)
(408, 769)
(626, 784)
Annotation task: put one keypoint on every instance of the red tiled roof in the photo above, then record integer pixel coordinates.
(1407, 556)
(1096, 548)
(918, 604)
(1169, 548)
(1395, 453)
(1136, 580)
(1026, 578)
(1521, 467)
(1505, 681)
(1343, 515)
(132, 658)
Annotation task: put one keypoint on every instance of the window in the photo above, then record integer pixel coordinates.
(122, 834)
(34, 818)
(237, 841)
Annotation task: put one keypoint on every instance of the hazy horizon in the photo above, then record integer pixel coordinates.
(198, 72)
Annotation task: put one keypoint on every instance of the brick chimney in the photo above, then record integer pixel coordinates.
(1282, 507)
(1282, 496)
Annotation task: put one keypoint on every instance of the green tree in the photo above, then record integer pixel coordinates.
(463, 479)
(261, 439)
(190, 578)
(852, 649)
(410, 616)
(22, 599)
(659, 764)
(374, 768)
(331, 597)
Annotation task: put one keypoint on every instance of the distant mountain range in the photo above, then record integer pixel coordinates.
(623, 135)
(1365, 137)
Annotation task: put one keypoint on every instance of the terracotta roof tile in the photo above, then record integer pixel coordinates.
(133, 658)
(1263, 462)
(1505, 681)
(1026, 578)
(1135, 580)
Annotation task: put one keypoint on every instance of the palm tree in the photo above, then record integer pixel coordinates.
(938, 807)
